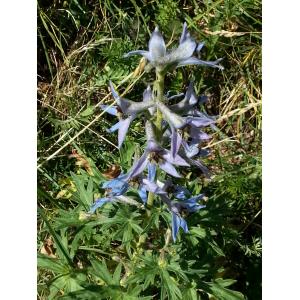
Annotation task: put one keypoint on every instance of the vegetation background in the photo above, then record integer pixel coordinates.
(80, 48)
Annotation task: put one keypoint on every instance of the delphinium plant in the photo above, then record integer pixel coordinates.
(130, 243)
(174, 133)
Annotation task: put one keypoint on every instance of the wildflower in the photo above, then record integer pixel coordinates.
(181, 56)
(190, 204)
(117, 186)
(149, 184)
(155, 153)
(177, 222)
(125, 107)
(101, 201)
(175, 207)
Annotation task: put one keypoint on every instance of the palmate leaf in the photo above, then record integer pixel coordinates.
(60, 242)
(66, 283)
(111, 288)
(219, 290)
(100, 270)
(84, 195)
(55, 265)
(145, 273)
(95, 292)
(189, 294)
(67, 280)
(169, 286)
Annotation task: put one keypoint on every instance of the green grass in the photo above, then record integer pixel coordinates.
(80, 48)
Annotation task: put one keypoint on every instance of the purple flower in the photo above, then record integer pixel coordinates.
(177, 222)
(175, 207)
(157, 154)
(101, 201)
(158, 56)
(126, 108)
(98, 203)
(181, 192)
(148, 184)
(171, 117)
(190, 204)
(117, 186)
(188, 102)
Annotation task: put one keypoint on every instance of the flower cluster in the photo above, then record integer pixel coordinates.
(174, 128)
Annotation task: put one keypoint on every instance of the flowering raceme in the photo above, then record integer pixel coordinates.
(174, 133)
(181, 56)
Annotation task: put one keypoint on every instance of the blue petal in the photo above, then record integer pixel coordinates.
(172, 118)
(181, 192)
(177, 160)
(191, 204)
(118, 186)
(98, 203)
(199, 47)
(190, 150)
(184, 33)
(123, 128)
(169, 168)
(147, 96)
(139, 166)
(114, 127)
(113, 91)
(175, 226)
(175, 142)
(151, 171)
(142, 193)
(144, 53)
(157, 47)
(184, 51)
(112, 110)
(152, 187)
(175, 96)
(199, 121)
(196, 61)
(178, 222)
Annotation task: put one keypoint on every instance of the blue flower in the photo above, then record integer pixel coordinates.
(175, 207)
(121, 198)
(191, 204)
(177, 222)
(148, 184)
(98, 203)
(126, 108)
(117, 186)
(158, 56)
(154, 152)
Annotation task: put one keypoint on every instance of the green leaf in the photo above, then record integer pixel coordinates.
(84, 195)
(216, 248)
(169, 286)
(220, 292)
(101, 271)
(58, 240)
(53, 264)
(198, 232)
(189, 294)
(87, 112)
(117, 274)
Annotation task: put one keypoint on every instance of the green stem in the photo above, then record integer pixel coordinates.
(159, 96)
(159, 90)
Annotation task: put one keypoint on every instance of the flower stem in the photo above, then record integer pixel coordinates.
(159, 91)
(159, 96)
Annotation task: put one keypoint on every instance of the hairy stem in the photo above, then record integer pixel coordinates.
(159, 92)
(159, 96)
